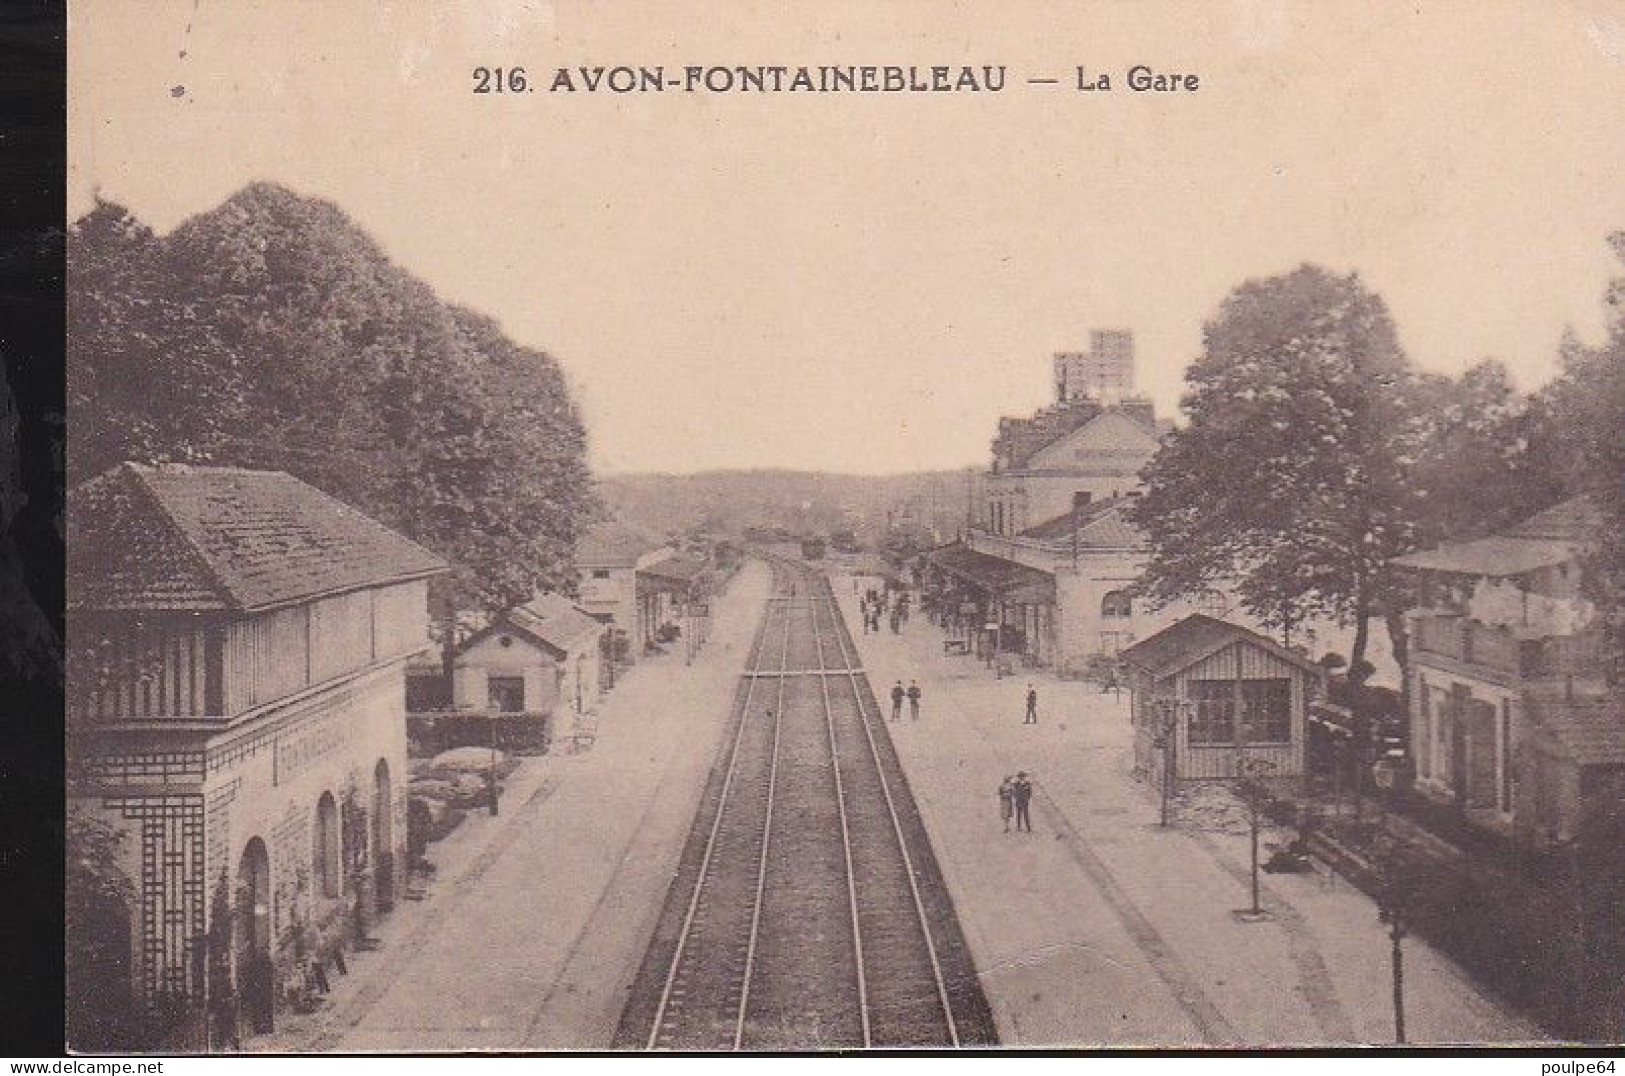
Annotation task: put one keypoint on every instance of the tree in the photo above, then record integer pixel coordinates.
(147, 379)
(1588, 404)
(1485, 455)
(97, 899)
(280, 336)
(1289, 477)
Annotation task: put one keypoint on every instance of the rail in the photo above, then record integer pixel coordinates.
(711, 841)
(728, 846)
(846, 836)
(897, 828)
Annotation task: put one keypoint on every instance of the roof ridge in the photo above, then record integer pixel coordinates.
(224, 592)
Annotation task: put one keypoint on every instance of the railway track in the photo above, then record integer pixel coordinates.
(807, 912)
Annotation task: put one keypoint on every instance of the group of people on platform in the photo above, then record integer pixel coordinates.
(1015, 795)
(1015, 792)
(888, 602)
(912, 694)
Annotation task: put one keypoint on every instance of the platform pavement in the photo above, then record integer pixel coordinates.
(1102, 928)
(537, 919)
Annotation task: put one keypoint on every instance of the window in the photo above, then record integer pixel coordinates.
(506, 694)
(1213, 721)
(425, 692)
(1116, 605)
(1266, 711)
(1212, 603)
(600, 573)
(325, 852)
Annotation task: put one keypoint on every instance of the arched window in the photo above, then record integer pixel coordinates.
(325, 852)
(1116, 605)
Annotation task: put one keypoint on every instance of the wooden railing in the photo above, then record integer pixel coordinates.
(1472, 643)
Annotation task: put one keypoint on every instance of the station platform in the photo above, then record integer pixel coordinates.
(536, 920)
(1102, 928)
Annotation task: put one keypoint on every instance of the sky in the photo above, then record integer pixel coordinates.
(864, 283)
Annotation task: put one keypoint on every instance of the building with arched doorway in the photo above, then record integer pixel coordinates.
(236, 710)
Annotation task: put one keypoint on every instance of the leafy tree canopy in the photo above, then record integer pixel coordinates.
(1587, 402)
(271, 332)
(1290, 475)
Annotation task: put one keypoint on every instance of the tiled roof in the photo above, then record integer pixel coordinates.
(1020, 439)
(1194, 638)
(1100, 525)
(1590, 731)
(194, 539)
(1552, 537)
(612, 545)
(554, 619)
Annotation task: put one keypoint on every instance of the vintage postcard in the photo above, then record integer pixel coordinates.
(773, 526)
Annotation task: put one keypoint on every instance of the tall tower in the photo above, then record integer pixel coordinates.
(1104, 373)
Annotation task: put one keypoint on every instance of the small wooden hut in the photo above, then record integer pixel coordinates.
(1222, 693)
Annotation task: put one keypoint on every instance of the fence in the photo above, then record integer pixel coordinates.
(1546, 935)
(529, 733)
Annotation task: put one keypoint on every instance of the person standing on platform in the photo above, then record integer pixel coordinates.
(897, 694)
(1007, 800)
(1022, 793)
(1032, 706)
(913, 700)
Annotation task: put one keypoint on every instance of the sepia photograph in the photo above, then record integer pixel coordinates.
(875, 525)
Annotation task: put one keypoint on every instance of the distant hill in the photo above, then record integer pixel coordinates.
(802, 502)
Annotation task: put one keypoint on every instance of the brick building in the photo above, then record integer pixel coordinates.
(237, 642)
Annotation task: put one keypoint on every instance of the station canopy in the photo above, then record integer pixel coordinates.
(1005, 580)
(675, 574)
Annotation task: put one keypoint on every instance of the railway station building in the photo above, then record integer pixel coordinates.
(237, 641)
(1045, 565)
